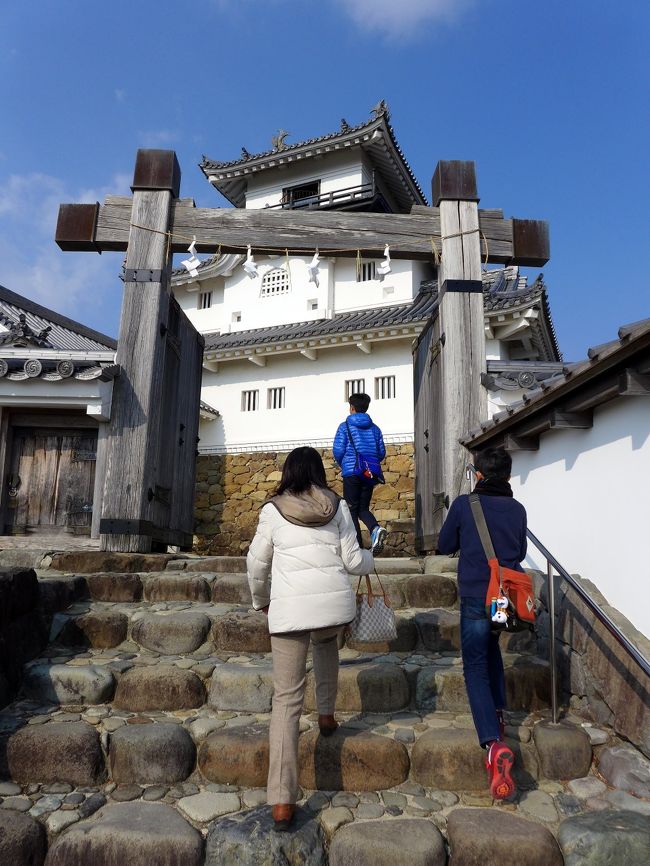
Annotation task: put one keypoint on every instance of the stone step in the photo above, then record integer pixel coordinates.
(172, 628)
(145, 680)
(210, 783)
(59, 590)
(369, 752)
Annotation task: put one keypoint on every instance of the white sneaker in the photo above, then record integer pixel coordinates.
(377, 538)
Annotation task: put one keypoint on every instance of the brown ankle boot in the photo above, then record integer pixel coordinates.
(283, 816)
(327, 725)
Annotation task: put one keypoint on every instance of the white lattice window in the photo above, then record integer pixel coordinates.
(384, 387)
(366, 272)
(205, 300)
(275, 282)
(250, 401)
(275, 398)
(354, 386)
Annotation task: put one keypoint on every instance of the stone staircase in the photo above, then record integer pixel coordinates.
(140, 734)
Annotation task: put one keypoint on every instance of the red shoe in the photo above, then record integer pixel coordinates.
(282, 816)
(499, 762)
(327, 725)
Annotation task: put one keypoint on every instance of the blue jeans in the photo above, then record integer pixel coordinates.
(482, 667)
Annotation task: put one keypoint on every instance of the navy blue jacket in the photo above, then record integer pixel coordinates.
(367, 438)
(506, 520)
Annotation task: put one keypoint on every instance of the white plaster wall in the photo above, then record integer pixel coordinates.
(338, 292)
(398, 287)
(586, 493)
(315, 396)
(335, 171)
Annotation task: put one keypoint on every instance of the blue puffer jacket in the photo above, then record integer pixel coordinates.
(367, 438)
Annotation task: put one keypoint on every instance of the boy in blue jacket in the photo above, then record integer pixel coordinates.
(366, 437)
(482, 663)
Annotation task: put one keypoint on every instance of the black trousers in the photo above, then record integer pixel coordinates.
(357, 494)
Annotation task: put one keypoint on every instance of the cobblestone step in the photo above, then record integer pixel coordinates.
(206, 769)
(141, 736)
(230, 679)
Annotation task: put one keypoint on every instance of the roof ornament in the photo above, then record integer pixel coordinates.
(245, 154)
(345, 126)
(278, 140)
(381, 110)
(20, 333)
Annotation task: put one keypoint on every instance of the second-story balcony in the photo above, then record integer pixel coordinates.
(362, 197)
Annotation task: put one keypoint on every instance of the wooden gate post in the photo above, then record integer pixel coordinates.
(461, 401)
(132, 448)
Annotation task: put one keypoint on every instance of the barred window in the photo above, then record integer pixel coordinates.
(236, 317)
(366, 272)
(384, 387)
(275, 398)
(250, 401)
(354, 386)
(275, 282)
(205, 300)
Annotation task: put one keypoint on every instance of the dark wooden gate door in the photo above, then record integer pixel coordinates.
(51, 480)
(425, 369)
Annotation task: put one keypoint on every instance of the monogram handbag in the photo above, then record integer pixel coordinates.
(374, 621)
(510, 599)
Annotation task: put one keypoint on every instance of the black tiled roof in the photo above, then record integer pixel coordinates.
(343, 323)
(382, 115)
(572, 379)
(499, 294)
(64, 334)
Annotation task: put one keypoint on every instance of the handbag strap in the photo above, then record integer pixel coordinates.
(481, 525)
(369, 588)
(347, 424)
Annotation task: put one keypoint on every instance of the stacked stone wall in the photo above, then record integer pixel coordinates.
(604, 681)
(231, 488)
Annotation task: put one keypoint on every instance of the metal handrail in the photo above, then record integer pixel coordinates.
(594, 607)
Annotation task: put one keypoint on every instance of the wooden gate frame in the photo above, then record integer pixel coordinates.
(155, 223)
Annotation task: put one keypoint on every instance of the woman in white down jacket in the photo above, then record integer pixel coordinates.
(299, 564)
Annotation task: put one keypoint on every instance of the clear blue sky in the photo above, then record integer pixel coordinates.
(549, 98)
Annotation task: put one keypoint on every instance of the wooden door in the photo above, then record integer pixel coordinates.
(425, 370)
(51, 480)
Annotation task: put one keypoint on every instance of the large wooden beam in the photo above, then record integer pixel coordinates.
(129, 513)
(84, 227)
(459, 398)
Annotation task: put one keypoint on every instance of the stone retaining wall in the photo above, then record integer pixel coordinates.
(605, 682)
(230, 489)
(23, 630)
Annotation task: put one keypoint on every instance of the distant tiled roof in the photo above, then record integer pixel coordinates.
(64, 334)
(343, 323)
(209, 410)
(379, 121)
(573, 378)
(499, 293)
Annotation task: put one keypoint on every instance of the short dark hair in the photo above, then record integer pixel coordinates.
(360, 402)
(494, 463)
(302, 469)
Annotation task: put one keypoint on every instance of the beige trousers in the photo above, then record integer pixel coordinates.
(289, 652)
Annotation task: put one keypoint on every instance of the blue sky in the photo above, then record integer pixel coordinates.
(549, 98)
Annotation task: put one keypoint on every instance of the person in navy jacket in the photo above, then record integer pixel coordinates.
(482, 662)
(357, 492)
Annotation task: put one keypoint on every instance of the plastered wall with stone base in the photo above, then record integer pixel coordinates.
(230, 489)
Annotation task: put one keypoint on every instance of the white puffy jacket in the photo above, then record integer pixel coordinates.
(309, 567)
